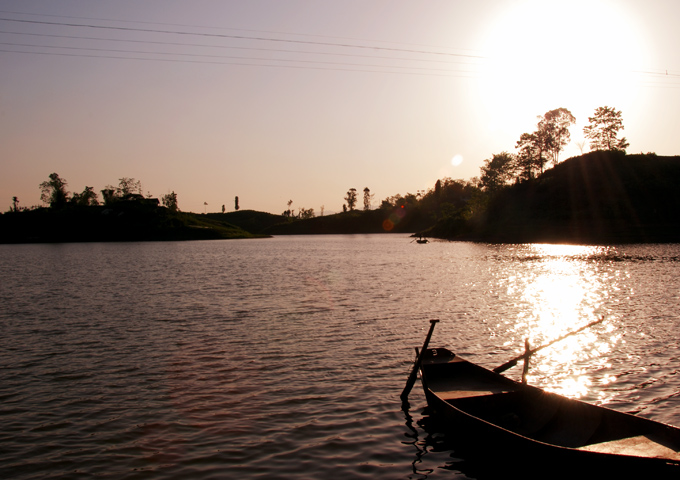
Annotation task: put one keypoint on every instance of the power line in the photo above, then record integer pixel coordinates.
(302, 67)
(257, 62)
(204, 45)
(240, 37)
(206, 26)
(658, 74)
(12, 44)
(249, 62)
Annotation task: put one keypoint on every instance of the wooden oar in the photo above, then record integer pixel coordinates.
(529, 353)
(414, 373)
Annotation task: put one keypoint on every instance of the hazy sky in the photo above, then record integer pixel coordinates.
(276, 100)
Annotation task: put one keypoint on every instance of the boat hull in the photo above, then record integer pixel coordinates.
(524, 428)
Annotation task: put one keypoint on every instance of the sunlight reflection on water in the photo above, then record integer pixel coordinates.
(562, 290)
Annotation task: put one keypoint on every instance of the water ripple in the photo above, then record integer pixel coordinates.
(284, 358)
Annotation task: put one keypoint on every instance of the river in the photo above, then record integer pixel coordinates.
(284, 358)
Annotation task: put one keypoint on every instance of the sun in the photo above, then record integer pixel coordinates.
(546, 54)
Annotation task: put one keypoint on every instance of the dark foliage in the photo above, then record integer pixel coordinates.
(394, 220)
(126, 221)
(600, 197)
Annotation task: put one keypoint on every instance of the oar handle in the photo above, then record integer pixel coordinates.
(508, 365)
(414, 373)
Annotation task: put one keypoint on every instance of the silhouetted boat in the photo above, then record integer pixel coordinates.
(541, 432)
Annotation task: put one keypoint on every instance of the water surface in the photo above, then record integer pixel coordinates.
(285, 357)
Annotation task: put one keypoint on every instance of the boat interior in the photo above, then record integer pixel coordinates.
(546, 417)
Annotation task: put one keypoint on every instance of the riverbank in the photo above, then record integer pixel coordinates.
(121, 222)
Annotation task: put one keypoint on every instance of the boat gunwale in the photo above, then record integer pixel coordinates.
(516, 387)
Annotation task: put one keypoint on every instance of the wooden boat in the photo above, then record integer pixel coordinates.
(499, 418)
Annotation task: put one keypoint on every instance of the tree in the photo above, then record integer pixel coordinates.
(555, 127)
(223, 208)
(54, 191)
(85, 199)
(236, 207)
(498, 171)
(530, 158)
(546, 143)
(351, 198)
(15, 204)
(126, 186)
(603, 129)
(288, 213)
(305, 213)
(170, 201)
(367, 198)
(581, 144)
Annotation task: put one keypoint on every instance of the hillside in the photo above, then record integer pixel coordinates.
(398, 220)
(126, 221)
(250, 220)
(600, 197)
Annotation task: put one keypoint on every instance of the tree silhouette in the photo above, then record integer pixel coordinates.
(126, 186)
(581, 144)
(54, 191)
(351, 198)
(288, 213)
(555, 126)
(170, 201)
(367, 198)
(500, 170)
(545, 144)
(87, 198)
(305, 213)
(530, 157)
(603, 129)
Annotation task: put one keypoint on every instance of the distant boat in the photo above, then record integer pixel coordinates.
(422, 240)
(541, 433)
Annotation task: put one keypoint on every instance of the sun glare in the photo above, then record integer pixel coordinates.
(562, 292)
(546, 54)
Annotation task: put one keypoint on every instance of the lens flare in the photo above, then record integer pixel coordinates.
(457, 160)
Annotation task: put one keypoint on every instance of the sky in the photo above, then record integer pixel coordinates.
(273, 100)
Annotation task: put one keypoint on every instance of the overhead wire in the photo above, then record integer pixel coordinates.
(204, 56)
(244, 61)
(662, 80)
(212, 28)
(232, 47)
(241, 37)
